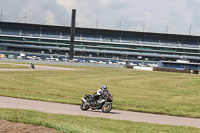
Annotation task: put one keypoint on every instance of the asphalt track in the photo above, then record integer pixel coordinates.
(37, 68)
(58, 108)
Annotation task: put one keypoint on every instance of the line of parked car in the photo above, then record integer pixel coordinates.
(78, 59)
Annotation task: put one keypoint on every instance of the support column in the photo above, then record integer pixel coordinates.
(72, 34)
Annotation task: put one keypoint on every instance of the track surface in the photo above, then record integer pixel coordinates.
(58, 108)
(37, 67)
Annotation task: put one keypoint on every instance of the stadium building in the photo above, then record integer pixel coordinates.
(47, 40)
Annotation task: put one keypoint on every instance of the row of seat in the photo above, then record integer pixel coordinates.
(109, 51)
(102, 38)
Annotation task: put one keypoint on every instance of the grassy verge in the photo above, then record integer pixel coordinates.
(8, 66)
(155, 92)
(82, 124)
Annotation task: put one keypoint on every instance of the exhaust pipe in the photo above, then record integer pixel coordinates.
(84, 100)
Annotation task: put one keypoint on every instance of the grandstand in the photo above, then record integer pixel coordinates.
(47, 40)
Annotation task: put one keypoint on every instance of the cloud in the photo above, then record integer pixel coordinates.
(194, 8)
(37, 11)
(131, 14)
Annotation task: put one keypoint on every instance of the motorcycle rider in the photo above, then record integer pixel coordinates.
(99, 100)
(99, 92)
(32, 66)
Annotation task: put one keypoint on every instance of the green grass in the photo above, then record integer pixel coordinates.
(83, 124)
(143, 91)
(8, 66)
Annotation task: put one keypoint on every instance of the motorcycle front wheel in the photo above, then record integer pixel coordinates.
(84, 107)
(107, 107)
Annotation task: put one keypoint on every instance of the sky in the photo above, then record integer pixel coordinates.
(158, 16)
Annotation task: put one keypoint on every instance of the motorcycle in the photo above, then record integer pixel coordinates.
(103, 102)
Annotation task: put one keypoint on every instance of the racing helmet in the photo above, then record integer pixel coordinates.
(104, 87)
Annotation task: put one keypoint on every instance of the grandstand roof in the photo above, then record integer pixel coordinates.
(96, 31)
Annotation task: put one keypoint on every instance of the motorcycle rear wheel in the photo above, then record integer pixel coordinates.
(106, 107)
(84, 107)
